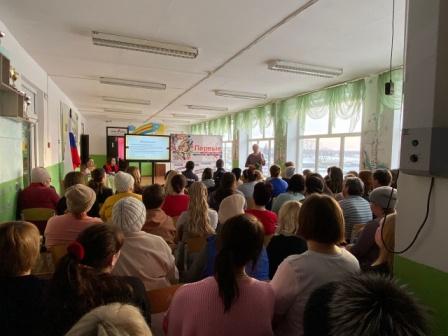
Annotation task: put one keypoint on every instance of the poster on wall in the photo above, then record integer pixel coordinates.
(203, 150)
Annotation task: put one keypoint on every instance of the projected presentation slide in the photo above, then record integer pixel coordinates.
(147, 148)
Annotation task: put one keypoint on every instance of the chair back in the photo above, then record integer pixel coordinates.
(57, 252)
(37, 214)
(195, 244)
(160, 299)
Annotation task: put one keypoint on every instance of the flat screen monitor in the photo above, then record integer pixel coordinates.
(147, 148)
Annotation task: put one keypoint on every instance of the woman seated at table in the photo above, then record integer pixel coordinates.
(111, 166)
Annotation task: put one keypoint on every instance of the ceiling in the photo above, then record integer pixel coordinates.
(352, 34)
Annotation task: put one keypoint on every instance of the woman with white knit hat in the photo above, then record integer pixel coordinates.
(143, 255)
(124, 184)
(65, 228)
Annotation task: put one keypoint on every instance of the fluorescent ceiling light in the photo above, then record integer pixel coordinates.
(132, 83)
(305, 69)
(111, 110)
(207, 108)
(127, 100)
(240, 95)
(190, 116)
(129, 43)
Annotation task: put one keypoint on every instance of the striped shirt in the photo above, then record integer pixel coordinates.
(356, 211)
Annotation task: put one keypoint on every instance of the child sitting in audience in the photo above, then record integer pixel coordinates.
(189, 174)
(286, 241)
(82, 280)
(322, 226)
(385, 239)
(98, 184)
(295, 192)
(65, 228)
(279, 185)
(157, 221)
(168, 186)
(176, 202)
(143, 255)
(21, 294)
(366, 177)
(124, 185)
(262, 196)
(336, 179)
(247, 188)
(224, 304)
(314, 184)
(219, 171)
(382, 178)
(367, 305)
(237, 172)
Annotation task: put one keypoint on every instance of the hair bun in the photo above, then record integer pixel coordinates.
(76, 250)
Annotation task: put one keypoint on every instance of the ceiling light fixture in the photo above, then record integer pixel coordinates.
(111, 110)
(127, 100)
(305, 69)
(136, 44)
(240, 95)
(190, 116)
(132, 83)
(207, 108)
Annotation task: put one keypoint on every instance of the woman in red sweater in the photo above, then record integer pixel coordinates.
(262, 196)
(111, 166)
(178, 202)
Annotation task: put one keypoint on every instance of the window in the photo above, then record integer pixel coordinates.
(227, 147)
(326, 141)
(265, 140)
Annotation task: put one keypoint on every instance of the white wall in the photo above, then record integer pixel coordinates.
(49, 120)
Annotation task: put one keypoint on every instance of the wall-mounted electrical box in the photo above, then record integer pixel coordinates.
(424, 144)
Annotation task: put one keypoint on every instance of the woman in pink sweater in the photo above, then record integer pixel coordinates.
(224, 304)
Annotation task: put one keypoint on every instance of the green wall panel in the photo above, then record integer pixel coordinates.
(430, 286)
(100, 160)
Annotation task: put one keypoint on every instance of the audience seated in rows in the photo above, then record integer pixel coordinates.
(226, 188)
(262, 196)
(168, 186)
(157, 221)
(83, 281)
(286, 242)
(224, 304)
(367, 305)
(356, 209)
(314, 184)
(39, 194)
(124, 185)
(382, 202)
(279, 185)
(190, 176)
(135, 173)
(98, 184)
(295, 192)
(113, 319)
(21, 294)
(143, 255)
(382, 178)
(111, 166)
(207, 179)
(176, 202)
(217, 175)
(65, 228)
(289, 171)
(322, 226)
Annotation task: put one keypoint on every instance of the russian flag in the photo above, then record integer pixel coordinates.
(76, 161)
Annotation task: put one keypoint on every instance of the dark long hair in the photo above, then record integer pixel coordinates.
(336, 179)
(78, 284)
(239, 243)
(96, 183)
(225, 187)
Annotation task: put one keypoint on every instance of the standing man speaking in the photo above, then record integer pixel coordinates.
(256, 159)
